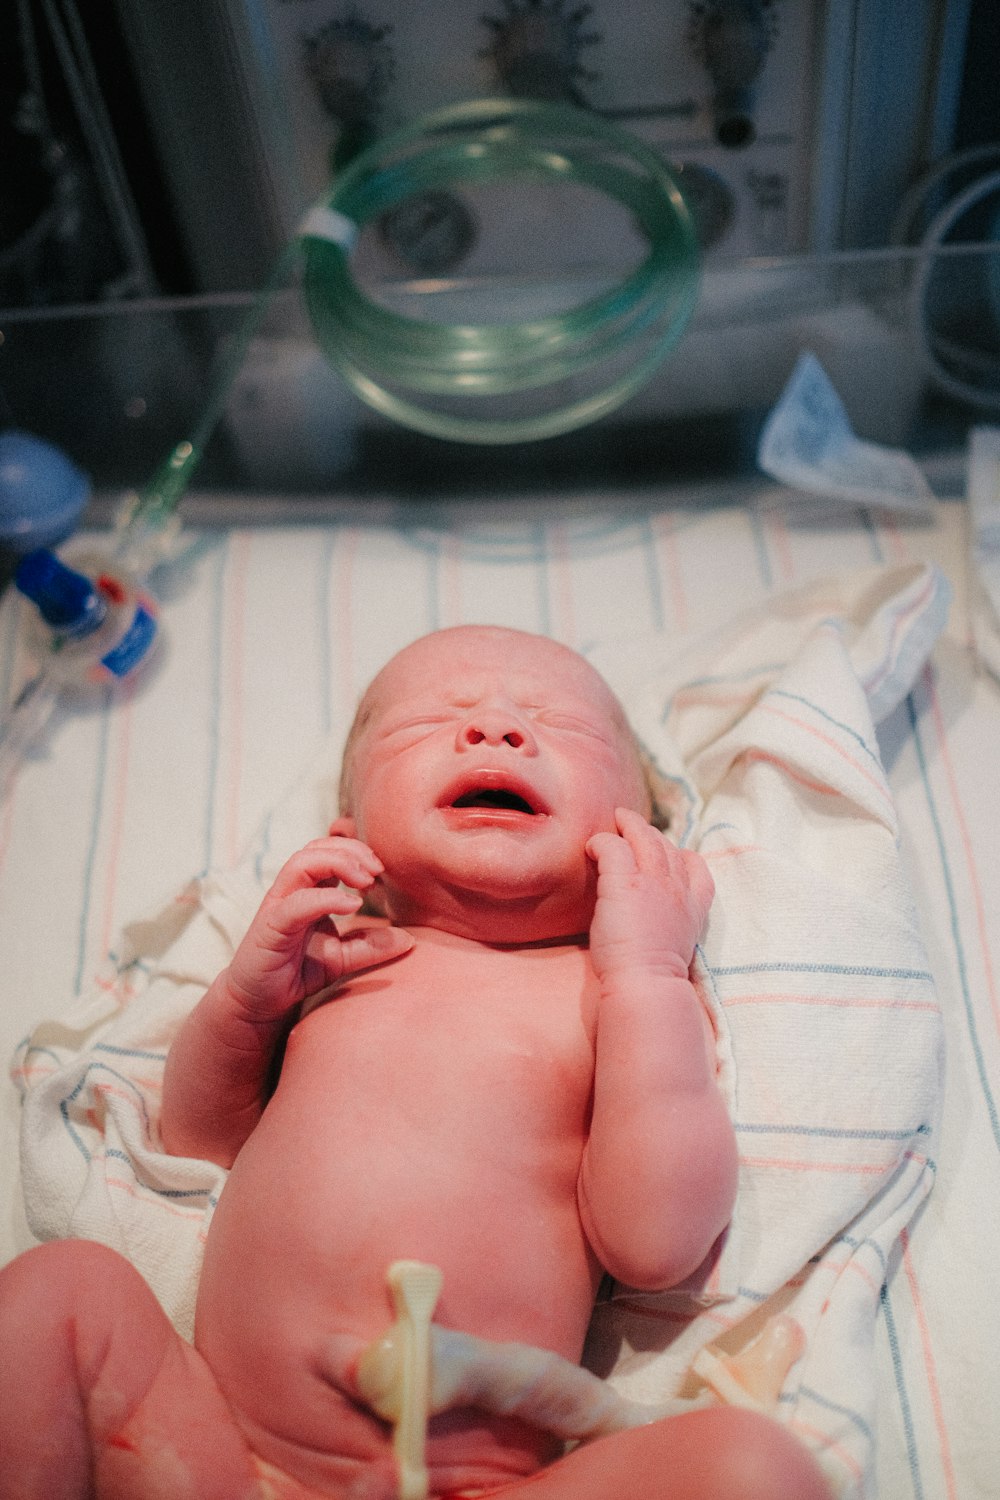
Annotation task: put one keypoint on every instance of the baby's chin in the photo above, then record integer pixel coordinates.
(505, 929)
(500, 912)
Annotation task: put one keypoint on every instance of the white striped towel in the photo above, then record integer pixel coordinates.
(766, 759)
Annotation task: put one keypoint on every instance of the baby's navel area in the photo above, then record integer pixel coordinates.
(350, 1170)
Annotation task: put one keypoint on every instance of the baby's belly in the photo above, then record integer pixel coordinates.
(294, 1281)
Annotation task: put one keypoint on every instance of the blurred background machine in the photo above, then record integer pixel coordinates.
(162, 155)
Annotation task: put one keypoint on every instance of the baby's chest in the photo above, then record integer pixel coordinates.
(496, 1054)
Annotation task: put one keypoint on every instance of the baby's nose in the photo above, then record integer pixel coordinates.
(495, 727)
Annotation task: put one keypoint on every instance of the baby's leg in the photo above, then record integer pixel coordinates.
(715, 1453)
(99, 1395)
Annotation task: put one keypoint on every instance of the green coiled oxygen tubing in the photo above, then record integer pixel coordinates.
(450, 379)
(401, 366)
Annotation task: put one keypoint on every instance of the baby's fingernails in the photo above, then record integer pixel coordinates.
(390, 940)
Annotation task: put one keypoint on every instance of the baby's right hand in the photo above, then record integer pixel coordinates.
(292, 948)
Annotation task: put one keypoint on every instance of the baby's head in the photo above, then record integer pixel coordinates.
(480, 761)
(454, 650)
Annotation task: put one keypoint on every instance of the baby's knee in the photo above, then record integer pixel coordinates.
(62, 1265)
(57, 1278)
(70, 1297)
(755, 1458)
(46, 1282)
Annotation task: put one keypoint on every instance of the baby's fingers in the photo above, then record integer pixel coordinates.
(612, 856)
(362, 948)
(658, 854)
(325, 861)
(293, 914)
(700, 878)
(651, 849)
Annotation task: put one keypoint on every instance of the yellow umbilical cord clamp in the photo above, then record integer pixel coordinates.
(394, 1375)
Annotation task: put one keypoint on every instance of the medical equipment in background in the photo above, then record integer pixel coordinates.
(430, 376)
(798, 124)
(962, 191)
(93, 626)
(561, 369)
(42, 493)
(795, 128)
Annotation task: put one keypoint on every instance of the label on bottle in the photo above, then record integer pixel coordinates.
(134, 644)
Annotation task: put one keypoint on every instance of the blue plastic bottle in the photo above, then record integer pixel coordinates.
(95, 624)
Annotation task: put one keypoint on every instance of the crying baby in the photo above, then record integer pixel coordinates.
(500, 1070)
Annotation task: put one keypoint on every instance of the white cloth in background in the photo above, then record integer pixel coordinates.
(765, 756)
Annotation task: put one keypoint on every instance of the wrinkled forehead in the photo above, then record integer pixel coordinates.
(467, 662)
(462, 663)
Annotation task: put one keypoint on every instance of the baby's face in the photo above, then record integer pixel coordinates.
(485, 761)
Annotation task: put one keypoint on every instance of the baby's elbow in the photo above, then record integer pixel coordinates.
(176, 1141)
(637, 1250)
(659, 1230)
(702, 1195)
(665, 1262)
(205, 1137)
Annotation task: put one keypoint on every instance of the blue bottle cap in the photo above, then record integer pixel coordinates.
(67, 600)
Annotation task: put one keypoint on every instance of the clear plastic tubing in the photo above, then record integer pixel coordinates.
(93, 626)
(449, 379)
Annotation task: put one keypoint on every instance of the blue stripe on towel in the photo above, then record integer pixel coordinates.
(161, 1192)
(832, 1132)
(541, 559)
(653, 582)
(853, 1243)
(160, 1056)
(751, 1295)
(76, 1090)
(95, 828)
(433, 589)
(865, 517)
(721, 679)
(326, 556)
(866, 971)
(760, 547)
(34, 1051)
(215, 696)
(855, 1418)
(837, 723)
(906, 1411)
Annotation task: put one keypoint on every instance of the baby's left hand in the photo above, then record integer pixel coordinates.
(652, 901)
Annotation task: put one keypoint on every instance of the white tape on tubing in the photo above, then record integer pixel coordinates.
(323, 223)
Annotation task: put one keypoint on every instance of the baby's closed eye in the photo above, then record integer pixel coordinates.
(411, 731)
(559, 719)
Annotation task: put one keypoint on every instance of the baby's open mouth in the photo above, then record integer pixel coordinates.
(494, 797)
(489, 789)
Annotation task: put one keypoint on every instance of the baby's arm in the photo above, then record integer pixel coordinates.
(213, 1091)
(658, 1179)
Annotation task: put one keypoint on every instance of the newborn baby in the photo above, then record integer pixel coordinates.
(505, 1073)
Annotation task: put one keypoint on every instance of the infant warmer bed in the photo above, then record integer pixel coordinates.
(819, 729)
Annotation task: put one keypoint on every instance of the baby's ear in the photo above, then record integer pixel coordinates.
(343, 827)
